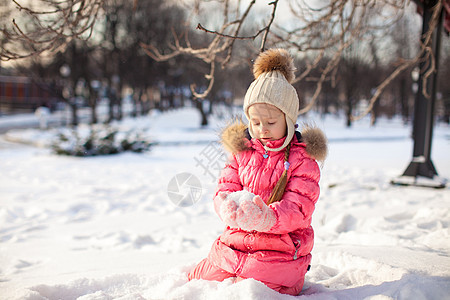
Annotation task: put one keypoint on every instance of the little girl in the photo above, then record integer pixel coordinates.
(268, 235)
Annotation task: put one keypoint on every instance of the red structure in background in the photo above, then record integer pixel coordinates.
(446, 12)
(447, 16)
(446, 8)
(22, 94)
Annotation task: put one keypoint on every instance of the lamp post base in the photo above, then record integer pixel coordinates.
(420, 181)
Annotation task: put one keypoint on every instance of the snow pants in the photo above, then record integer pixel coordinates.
(205, 270)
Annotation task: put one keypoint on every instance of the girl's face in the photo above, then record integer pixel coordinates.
(267, 122)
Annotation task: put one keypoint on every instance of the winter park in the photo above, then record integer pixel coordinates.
(224, 150)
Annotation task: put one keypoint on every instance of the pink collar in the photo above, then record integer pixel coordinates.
(258, 146)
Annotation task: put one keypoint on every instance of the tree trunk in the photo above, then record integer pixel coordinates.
(94, 119)
(199, 105)
(375, 113)
(74, 110)
(110, 110)
(119, 102)
(404, 95)
(92, 100)
(349, 110)
(112, 103)
(446, 118)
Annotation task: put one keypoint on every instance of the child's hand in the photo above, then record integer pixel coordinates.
(228, 212)
(255, 215)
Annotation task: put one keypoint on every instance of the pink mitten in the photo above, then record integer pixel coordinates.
(218, 200)
(255, 215)
(227, 212)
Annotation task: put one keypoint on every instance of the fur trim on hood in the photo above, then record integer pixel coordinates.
(316, 142)
(235, 139)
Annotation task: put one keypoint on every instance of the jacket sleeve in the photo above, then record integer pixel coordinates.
(228, 182)
(295, 210)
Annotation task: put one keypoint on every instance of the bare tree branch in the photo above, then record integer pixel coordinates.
(425, 49)
(211, 79)
(221, 46)
(49, 28)
(267, 29)
(321, 35)
(234, 37)
(238, 28)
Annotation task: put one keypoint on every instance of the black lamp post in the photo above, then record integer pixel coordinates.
(421, 166)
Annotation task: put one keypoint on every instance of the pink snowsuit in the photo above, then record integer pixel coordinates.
(279, 257)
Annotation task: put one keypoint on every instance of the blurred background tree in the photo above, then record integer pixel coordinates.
(353, 57)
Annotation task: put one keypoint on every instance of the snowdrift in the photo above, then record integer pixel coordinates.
(105, 228)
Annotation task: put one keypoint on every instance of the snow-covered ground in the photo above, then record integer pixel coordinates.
(105, 228)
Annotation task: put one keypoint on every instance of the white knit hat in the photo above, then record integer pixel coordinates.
(274, 71)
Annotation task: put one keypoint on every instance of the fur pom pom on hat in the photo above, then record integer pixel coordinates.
(274, 71)
(275, 59)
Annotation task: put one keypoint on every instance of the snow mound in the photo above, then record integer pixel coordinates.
(173, 284)
(105, 228)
